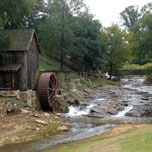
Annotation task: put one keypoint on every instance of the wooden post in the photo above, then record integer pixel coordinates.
(13, 81)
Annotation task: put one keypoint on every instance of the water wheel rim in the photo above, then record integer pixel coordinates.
(52, 87)
(47, 88)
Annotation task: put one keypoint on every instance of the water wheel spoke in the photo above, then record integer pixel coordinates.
(55, 82)
(51, 83)
(52, 80)
(50, 95)
(51, 89)
(47, 89)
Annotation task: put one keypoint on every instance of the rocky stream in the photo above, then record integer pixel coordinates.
(130, 101)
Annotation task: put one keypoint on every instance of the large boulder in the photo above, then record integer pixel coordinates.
(60, 105)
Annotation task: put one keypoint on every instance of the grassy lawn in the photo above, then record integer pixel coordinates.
(136, 66)
(137, 141)
(132, 140)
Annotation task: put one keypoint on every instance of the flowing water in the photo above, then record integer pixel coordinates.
(133, 100)
(122, 113)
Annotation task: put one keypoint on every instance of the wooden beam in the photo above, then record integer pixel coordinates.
(13, 80)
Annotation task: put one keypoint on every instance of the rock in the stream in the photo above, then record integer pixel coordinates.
(63, 128)
(111, 108)
(96, 110)
(74, 102)
(133, 113)
(140, 111)
(60, 104)
(144, 99)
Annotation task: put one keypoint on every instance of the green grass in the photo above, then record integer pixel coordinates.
(138, 140)
(137, 66)
(93, 83)
(47, 63)
(100, 81)
(4, 99)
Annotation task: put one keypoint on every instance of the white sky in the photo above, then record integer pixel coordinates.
(107, 11)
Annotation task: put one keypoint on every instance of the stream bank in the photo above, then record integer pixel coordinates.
(127, 102)
(23, 124)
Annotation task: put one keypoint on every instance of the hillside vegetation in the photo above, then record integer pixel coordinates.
(47, 63)
(137, 66)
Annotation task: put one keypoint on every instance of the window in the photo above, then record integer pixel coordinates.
(14, 57)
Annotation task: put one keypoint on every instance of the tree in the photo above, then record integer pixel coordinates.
(142, 38)
(15, 13)
(117, 48)
(87, 52)
(57, 28)
(146, 9)
(4, 44)
(38, 15)
(130, 16)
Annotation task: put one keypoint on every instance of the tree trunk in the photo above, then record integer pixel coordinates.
(110, 71)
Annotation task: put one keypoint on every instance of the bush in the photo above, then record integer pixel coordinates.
(149, 79)
(149, 75)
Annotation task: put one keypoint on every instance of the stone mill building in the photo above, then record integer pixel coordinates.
(20, 70)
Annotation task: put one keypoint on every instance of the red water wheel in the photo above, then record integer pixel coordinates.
(47, 88)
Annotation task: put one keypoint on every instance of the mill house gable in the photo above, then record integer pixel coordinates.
(21, 68)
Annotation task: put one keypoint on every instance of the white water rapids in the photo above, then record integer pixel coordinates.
(75, 111)
(79, 111)
(122, 113)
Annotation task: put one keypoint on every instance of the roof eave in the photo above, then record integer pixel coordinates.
(34, 34)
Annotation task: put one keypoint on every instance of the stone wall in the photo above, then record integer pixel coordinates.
(14, 100)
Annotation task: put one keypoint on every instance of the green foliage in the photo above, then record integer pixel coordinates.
(140, 23)
(117, 49)
(93, 83)
(130, 16)
(69, 32)
(15, 13)
(4, 41)
(100, 82)
(146, 9)
(38, 14)
(4, 44)
(149, 75)
(149, 79)
(87, 54)
(137, 66)
(4, 99)
(142, 39)
(56, 35)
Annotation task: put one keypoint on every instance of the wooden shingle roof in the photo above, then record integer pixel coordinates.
(10, 67)
(20, 39)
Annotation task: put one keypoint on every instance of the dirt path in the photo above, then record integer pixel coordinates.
(25, 125)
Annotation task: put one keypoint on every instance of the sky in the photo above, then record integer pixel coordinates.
(107, 11)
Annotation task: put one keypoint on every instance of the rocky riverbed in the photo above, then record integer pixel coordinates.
(128, 101)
